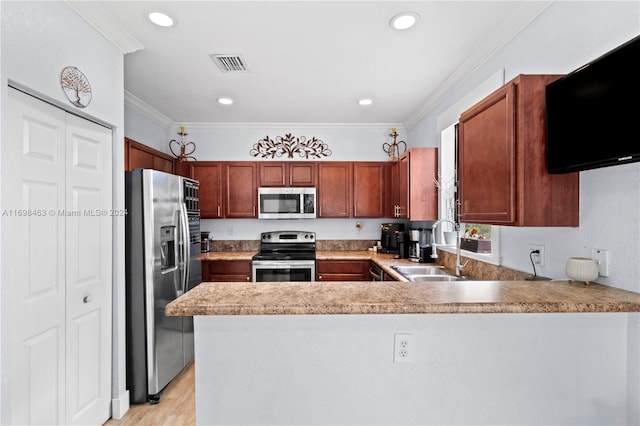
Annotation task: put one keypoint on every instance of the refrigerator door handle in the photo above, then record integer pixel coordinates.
(186, 247)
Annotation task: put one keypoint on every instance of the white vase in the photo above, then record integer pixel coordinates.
(450, 238)
(581, 269)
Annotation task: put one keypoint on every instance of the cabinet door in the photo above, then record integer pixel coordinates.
(226, 270)
(502, 168)
(422, 191)
(403, 186)
(140, 156)
(487, 159)
(286, 174)
(209, 174)
(302, 174)
(334, 189)
(241, 193)
(272, 174)
(368, 189)
(342, 270)
(163, 164)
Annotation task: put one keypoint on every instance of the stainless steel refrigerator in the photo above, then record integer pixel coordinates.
(162, 243)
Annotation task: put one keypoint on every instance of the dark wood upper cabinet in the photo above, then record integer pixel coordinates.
(241, 191)
(502, 170)
(334, 189)
(140, 156)
(209, 174)
(368, 189)
(286, 174)
(414, 194)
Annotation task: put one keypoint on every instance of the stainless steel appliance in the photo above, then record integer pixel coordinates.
(389, 238)
(286, 203)
(205, 242)
(162, 245)
(285, 256)
(420, 246)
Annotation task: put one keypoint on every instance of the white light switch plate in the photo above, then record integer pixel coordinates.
(602, 259)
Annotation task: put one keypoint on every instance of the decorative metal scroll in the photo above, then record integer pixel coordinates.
(289, 145)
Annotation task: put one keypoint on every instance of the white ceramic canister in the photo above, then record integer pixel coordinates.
(581, 269)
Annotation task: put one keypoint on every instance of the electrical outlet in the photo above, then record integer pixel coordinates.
(602, 259)
(538, 259)
(403, 347)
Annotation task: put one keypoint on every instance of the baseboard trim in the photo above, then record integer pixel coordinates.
(120, 406)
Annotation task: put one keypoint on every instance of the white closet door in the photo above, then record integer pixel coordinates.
(88, 272)
(60, 351)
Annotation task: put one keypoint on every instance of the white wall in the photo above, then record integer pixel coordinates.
(39, 39)
(466, 369)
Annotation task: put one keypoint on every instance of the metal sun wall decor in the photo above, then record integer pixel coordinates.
(184, 154)
(393, 148)
(289, 145)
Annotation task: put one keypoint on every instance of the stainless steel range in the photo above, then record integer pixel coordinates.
(285, 256)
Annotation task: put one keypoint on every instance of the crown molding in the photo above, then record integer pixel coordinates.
(279, 126)
(103, 22)
(147, 110)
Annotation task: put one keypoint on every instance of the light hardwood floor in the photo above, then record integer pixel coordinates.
(177, 405)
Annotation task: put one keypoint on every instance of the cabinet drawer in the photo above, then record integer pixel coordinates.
(342, 266)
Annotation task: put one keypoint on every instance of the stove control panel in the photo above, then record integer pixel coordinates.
(288, 237)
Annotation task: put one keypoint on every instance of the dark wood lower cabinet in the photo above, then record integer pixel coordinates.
(342, 270)
(226, 270)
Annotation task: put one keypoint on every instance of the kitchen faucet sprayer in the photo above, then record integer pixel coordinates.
(434, 253)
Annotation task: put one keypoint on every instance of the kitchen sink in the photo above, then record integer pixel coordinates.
(420, 278)
(421, 270)
(419, 273)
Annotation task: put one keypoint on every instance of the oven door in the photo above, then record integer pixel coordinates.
(284, 270)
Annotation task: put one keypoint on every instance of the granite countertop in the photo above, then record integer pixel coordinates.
(320, 255)
(393, 297)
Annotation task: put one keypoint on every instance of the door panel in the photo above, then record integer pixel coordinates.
(33, 174)
(55, 167)
(89, 244)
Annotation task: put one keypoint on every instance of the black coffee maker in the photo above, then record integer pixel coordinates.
(403, 244)
(388, 237)
(420, 246)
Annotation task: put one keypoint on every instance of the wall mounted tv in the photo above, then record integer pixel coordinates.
(594, 111)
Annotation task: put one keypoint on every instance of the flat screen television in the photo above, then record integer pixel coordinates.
(593, 113)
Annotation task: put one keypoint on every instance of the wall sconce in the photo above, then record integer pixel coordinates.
(184, 154)
(393, 148)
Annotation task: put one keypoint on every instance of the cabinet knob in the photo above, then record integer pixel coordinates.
(86, 299)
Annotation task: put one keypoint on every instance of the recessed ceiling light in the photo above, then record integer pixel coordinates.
(404, 20)
(225, 101)
(160, 18)
(365, 102)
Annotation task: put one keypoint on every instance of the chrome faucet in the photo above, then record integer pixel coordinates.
(434, 253)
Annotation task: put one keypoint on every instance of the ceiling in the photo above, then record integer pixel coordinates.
(307, 61)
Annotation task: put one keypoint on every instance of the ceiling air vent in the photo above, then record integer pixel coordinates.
(229, 63)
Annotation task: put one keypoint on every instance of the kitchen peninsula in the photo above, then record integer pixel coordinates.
(479, 352)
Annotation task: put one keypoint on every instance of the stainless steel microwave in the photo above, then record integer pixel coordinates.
(286, 203)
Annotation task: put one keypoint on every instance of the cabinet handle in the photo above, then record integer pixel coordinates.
(218, 211)
(319, 277)
(86, 299)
